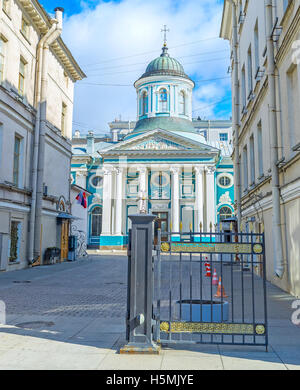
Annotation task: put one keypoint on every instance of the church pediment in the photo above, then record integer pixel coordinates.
(161, 140)
(155, 143)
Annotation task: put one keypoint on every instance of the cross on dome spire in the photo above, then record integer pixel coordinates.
(165, 30)
(165, 48)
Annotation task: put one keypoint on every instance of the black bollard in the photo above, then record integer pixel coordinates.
(140, 287)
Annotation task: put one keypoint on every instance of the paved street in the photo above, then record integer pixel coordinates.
(71, 316)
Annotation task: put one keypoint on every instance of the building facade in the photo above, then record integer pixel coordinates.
(187, 182)
(264, 38)
(37, 76)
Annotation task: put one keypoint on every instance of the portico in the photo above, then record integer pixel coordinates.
(183, 193)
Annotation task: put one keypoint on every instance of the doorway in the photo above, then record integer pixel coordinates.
(64, 240)
(161, 222)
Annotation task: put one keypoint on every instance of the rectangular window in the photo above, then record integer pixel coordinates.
(63, 119)
(256, 46)
(223, 136)
(250, 74)
(25, 27)
(293, 106)
(252, 159)
(245, 164)
(21, 86)
(260, 150)
(2, 47)
(243, 89)
(16, 162)
(14, 241)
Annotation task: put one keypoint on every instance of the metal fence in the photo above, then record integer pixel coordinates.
(210, 288)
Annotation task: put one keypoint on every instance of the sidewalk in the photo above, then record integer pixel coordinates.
(71, 316)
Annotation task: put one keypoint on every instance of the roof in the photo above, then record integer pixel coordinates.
(165, 65)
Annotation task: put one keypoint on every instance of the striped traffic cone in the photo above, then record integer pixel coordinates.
(208, 271)
(215, 278)
(220, 292)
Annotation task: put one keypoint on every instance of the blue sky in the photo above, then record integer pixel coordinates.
(113, 42)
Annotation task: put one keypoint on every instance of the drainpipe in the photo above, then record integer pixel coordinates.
(236, 113)
(36, 139)
(43, 49)
(276, 217)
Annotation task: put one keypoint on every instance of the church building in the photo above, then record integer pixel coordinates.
(185, 177)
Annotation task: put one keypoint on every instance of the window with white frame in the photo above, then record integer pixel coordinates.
(245, 165)
(225, 181)
(243, 89)
(260, 150)
(163, 100)
(256, 46)
(21, 84)
(250, 74)
(223, 136)
(252, 159)
(17, 161)
(293, 105)
(25, 27)
(224, 213)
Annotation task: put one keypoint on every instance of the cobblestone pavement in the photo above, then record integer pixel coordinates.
(94, 287)
(72, 316)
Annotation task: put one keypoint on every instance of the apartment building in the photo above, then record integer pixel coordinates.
(264, 37)
(37, 76)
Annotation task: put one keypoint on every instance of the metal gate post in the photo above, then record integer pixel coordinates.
(140, 288)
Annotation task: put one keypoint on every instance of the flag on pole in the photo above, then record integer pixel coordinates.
(81, 199)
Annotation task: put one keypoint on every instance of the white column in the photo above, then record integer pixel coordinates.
(143, 183)
(176, 100)
(175, 198)
(210, 197)
(107, 200)
(199, 197)
(119, 201)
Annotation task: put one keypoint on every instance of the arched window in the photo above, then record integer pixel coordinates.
(181, 103)
(144, 101)
(96, 221)
(225, 212)
(163, 100)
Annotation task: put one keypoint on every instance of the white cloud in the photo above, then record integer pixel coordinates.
(100, 37)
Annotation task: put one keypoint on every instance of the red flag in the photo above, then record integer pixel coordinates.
(81, 198)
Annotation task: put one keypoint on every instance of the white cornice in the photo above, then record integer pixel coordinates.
(288, 193)
(42, 21)
(226, 26)
(164, 79)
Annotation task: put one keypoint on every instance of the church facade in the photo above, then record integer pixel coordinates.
(186, 180)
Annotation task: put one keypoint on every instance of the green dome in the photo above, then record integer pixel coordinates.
(165, 65)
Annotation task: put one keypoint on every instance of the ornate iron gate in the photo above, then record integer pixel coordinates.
(210, 288)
